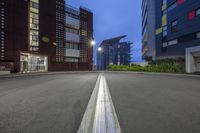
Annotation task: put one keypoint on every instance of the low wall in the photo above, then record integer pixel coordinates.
(4, 72)
(69, 66)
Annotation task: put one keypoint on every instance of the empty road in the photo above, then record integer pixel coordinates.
(143, 103)
(44, 104)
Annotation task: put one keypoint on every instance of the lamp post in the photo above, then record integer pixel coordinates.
(100, 51)
(93, 42)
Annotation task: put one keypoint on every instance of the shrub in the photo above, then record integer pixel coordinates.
(168, 67)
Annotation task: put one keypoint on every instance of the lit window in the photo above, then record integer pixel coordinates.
(198, 35)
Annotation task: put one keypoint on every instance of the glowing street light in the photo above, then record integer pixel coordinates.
(93, 42)
(99, 49)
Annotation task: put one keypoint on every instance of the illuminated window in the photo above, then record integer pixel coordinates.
(34, 25)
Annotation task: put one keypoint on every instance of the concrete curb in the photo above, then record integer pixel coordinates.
(154, 73)
(44, 73)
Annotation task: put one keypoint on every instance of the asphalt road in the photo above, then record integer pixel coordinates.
(147, 103)
(144, 103)
(44, 104)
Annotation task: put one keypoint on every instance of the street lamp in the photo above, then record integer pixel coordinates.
(93, 42)
(100, 58)
(99, 49)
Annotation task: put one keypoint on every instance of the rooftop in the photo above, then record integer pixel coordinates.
(113, 40)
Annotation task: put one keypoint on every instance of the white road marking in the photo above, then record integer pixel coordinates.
(102, 118)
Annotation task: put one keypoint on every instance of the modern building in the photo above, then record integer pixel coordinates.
(113, 52)
(148, 30)
(72, 51)
(178, 31)
(86, 36)
(35, 36)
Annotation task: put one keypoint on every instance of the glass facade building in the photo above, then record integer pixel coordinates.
(148, 28)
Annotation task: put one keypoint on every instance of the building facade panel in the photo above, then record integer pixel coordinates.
(72, 37)
(182, 26)
(71, 21)
(148, 30)
(14, 16)
(86, 36)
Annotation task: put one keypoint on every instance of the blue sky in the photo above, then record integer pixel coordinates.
(114, 18)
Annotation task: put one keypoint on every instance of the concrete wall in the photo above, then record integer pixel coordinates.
(193, 59)
(4, 72)
(198, 64)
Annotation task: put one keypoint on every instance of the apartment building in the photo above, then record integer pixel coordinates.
(148, 28)
(86, 36)
(35, 37)
(177, 31)
(113, 51)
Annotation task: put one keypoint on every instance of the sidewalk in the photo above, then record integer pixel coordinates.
(163, 74)
(13, 75)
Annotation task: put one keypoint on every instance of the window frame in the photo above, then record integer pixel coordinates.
(174, 26)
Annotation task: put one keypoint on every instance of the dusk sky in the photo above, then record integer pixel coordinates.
(114, 18)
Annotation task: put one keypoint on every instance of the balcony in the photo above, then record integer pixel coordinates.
(72, 22)
(72, 53)
(72, 37)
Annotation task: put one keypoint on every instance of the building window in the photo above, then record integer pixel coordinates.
(34, 5)
(34, 25)
(172, 6)
(164, 2)
(173, 42)
(198, 12)
(191, 15)
(165, 44)
(164, 31)
(198, 35)
(174, 26)
(164, 12)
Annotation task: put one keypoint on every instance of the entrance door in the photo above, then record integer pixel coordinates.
(23, 63)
